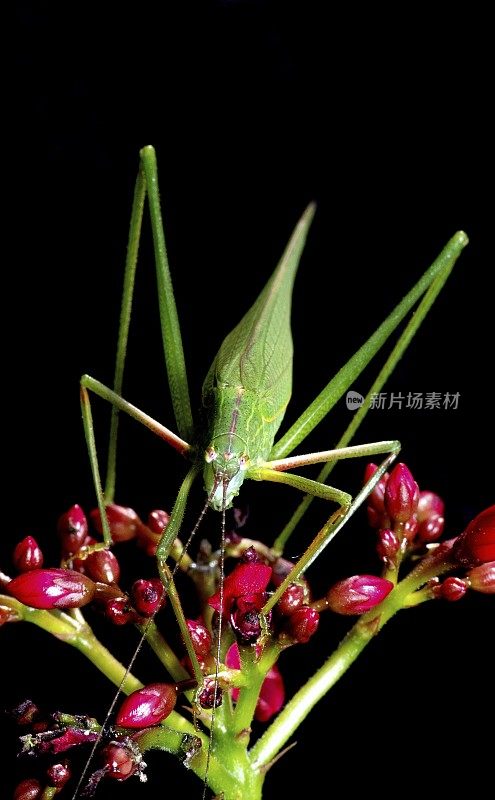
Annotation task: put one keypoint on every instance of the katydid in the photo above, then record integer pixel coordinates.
(246, 392)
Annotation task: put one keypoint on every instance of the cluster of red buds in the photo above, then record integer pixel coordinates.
(409, 522)
(90, 575)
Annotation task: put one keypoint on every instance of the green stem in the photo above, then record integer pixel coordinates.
(368, 625)
(254, 671)
(164, 652)
(79, 635)
(49, 793)
(230, 774)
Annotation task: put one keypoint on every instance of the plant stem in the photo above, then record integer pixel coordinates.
(365, 629)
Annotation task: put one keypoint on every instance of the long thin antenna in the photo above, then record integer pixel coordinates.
(141, 640)
(221, 563)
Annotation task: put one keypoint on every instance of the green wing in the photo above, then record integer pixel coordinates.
(257, 353)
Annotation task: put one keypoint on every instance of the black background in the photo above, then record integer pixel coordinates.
(255, 109)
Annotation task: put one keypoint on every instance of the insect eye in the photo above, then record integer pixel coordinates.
(243, 461)
(210, 455)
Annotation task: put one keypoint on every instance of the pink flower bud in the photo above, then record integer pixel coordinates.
(375, 519)
(401, 494)
(244, 579)
(431, 528)
(376, 497)
(358, 594)
(302, 623)
(147, 706)
(477, 544)
(72, 528)
(272, 693)
(271, 697)
(27, 555)
(429, 504)
(201, 638)
(52, 588)
(148, 596)
(123, 522)
(29, 789)
(482, 578)
(102, 566)
(233, 661)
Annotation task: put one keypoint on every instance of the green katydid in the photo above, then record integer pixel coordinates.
(246, 392)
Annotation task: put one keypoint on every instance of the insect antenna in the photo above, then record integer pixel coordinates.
(221, 563)
(146, 628)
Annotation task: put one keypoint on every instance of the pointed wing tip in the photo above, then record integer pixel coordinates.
(309, 213)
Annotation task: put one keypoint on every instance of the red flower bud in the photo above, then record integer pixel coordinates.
(251, 556)
(244, 617)
(210, 695)
(452, 589)
(358, 594)
(271, 697)
(482, 578)
(52, 588)
(118, 611)
(477, 544)
(272, 693)
(123, 522)
(387, 545)
(147, 706)
(30, 789)
(244, 579)
(27, 555)
(149, 535)
(281, 569)
(201, 638)
(293, 597)
(102, 566)
(158, 521)
(58, 774)
(429, 504)
(148, 596)
(302, 623)
(120, 761)
(72, 528)
(431, 528)
(401, 494)
(375, 519)
(410, 528)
